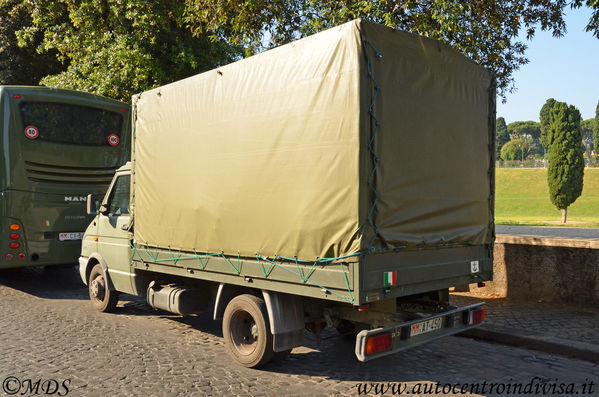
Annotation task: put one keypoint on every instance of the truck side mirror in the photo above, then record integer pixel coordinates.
(103, 209)
(93, 203)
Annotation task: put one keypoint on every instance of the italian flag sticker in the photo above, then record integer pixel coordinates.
(390, 278)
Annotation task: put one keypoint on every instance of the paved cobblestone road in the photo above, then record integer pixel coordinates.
(48, 330)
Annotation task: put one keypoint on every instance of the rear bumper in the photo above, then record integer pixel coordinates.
(404, 335)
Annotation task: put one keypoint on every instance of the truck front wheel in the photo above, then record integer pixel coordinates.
(102, 298)
(247, 332)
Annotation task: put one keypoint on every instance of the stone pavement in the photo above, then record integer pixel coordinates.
(552, 328)
(51, 332)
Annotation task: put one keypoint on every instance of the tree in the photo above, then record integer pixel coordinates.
(531, 128)
(518, 148)
(22, 65)
(587, 128)
(544, 117)
(483, 30)
(512, 150)
(596, 133)
(502, 136)
(118, 48)
(566, 163)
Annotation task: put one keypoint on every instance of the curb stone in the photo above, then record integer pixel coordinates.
(534, 341)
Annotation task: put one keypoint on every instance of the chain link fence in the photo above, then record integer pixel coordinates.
(539, 163)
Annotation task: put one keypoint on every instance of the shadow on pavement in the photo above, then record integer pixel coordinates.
(51, 282)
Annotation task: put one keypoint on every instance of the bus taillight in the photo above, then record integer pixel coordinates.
(9, 257)
(15, 245)
(21, 256)
(14, 236)
(14, 226)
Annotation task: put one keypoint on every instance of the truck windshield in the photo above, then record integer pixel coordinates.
(71, 124)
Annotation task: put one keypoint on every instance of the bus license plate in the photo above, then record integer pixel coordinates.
(70, 236)
(427, 326)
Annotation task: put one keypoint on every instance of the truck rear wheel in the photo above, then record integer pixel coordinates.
(247, 332)
(102, 298)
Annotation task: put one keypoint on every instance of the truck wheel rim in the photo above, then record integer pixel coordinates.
(97, 288)
(244, 333)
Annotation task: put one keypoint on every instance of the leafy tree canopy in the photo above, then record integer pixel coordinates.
(566, 163)
(119, 47)
(512, 151)
(530, 128)
(22, 65)
(486, 31)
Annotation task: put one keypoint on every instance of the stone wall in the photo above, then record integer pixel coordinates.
(546, 269)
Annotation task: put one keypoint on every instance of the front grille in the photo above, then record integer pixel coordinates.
(38, 172)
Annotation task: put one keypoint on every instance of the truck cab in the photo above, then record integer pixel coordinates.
(107, 241)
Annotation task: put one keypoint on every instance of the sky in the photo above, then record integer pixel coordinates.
(565, 68)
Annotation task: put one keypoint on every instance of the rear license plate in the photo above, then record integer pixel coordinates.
(70, 236)
(427, 326)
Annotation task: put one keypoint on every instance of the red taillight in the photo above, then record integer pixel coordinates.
(14, 236)
(21, 256)
(9, 257)
(364, 307)
(378, 343)
(15, 245)
(124, 110)
(17, 96)
(477, 316)
(14, 226)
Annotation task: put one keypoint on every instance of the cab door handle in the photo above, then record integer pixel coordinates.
(125, 227)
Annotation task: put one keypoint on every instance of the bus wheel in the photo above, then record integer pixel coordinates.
(247, 332)
(103, 299)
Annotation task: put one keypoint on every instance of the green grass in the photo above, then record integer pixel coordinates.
(522, 198)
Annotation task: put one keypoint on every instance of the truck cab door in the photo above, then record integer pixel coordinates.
(114, 234)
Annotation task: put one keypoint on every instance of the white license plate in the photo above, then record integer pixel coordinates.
(427, 326)
(70, 236)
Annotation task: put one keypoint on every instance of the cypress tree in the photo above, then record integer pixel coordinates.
(566, 162)
(544, 119)
(502, 135)
(596, 130)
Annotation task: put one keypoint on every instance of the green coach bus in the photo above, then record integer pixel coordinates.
(58, 146)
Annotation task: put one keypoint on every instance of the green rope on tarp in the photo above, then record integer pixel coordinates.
(266, 272)
(237, 269)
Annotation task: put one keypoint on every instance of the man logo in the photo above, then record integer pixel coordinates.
(75, 199)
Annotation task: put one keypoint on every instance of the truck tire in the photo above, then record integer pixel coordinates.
(102, 298)
(246, 331)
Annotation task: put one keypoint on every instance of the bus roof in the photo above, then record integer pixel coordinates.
(24, 89)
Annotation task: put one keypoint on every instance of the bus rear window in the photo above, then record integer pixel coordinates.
(71, 124)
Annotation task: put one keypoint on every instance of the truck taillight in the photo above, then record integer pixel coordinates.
(378, 343)
(14, 226)
(15, 245)
(9, 257)
(14, 236)
(477, 316)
